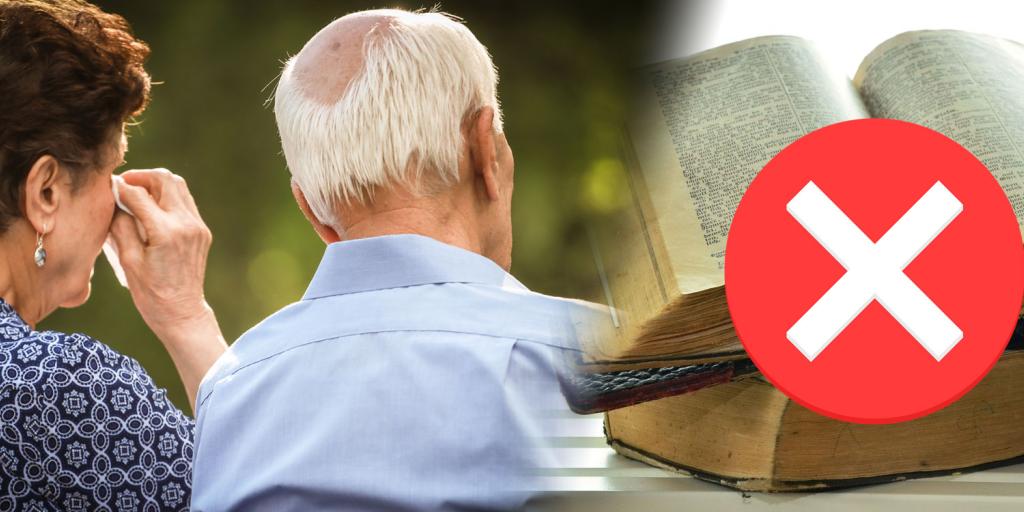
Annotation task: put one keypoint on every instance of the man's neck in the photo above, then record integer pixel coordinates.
(451, 228)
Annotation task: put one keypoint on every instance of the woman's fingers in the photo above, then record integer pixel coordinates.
(183, 197)
(163, 185)
(125, 234)
(163, 200)
(142, 205)
(187, 198)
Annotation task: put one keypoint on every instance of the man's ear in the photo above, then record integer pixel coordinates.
(42, 194)
(483, 152)
(326, 233)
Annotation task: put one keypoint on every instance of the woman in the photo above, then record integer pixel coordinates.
(81, 426)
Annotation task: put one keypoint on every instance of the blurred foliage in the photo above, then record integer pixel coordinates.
(563, 74)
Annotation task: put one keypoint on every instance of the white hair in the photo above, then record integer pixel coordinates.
(400, 116)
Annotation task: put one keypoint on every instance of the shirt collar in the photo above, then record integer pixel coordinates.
(396, 261)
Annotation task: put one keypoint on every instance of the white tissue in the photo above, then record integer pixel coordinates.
(115, 182)
(109, 249)
(115, 263)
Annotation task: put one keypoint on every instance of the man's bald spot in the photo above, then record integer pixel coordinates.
(332, 58)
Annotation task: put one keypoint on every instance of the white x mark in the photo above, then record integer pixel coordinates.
(874, 271)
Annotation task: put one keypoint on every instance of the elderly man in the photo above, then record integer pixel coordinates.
(415, 371)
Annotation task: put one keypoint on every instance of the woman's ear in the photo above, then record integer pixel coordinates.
(43, 193)
(483, 152)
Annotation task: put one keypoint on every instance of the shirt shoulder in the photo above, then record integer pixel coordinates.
(42, 358)
(511, 312)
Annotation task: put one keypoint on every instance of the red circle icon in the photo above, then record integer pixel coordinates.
(874, 272)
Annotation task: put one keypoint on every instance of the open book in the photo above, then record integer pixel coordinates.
(705, 125)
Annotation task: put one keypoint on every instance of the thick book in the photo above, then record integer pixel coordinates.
(746, 434)
(705, 125)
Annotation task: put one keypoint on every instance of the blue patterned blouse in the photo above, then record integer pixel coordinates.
(83, 427)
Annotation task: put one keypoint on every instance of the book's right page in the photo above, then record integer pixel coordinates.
(969, 87)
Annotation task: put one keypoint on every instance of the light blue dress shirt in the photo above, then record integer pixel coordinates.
(413, 375)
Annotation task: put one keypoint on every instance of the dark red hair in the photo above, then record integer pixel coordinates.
(70, 74)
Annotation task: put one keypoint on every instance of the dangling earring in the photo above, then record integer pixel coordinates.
(40, 254)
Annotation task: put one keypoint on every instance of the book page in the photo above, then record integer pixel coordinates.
(705, 125)
(969, 87)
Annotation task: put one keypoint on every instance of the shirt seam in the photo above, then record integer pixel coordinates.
(383, 331)
(306, 298)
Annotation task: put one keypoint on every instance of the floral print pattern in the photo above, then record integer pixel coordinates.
(84, 428)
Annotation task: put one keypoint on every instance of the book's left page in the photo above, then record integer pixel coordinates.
(703, 127)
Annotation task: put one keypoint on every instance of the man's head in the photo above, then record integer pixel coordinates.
(390, 123)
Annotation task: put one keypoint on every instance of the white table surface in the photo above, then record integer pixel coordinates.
(590, 476)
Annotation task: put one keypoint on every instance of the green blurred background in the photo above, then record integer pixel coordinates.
(563, 77)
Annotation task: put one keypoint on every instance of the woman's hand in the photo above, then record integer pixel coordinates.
(165, 264)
